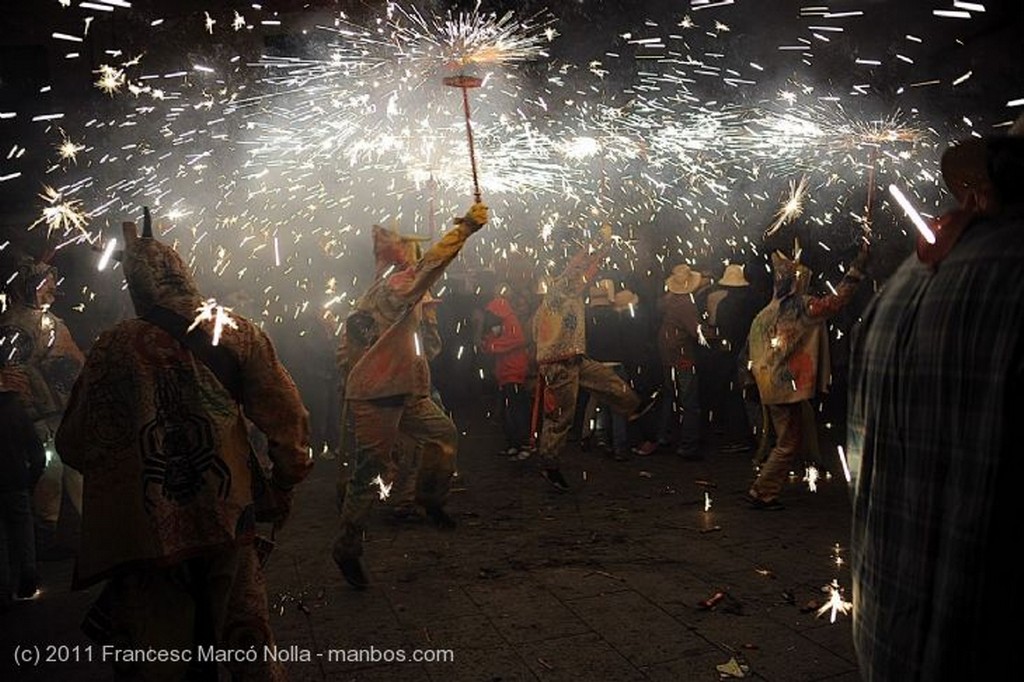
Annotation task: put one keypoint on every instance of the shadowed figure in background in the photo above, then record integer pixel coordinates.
(22, 460)
(38, 348)
(504, 339)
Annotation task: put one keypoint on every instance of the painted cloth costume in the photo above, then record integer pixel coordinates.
(788, 352)
(164, 451)
(559, 329)
(36, 344)
(388, 387)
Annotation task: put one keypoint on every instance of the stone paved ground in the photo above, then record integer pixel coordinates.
(599, 584)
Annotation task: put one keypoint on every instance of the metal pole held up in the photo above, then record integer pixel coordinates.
(464, 83)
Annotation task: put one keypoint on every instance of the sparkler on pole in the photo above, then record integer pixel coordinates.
(464, 83)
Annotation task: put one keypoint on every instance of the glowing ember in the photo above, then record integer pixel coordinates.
(836, 604)
(211, 310)
(385, 488)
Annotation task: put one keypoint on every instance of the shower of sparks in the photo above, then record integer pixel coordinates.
(291, 156)
(210, 310)
(836, 604)
(69, 150)
(792, 208)
(384, 488)
(111, 79)
(61, 215)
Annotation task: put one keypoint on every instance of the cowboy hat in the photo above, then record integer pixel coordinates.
(625, 298)
(683, 280)
(733, 276)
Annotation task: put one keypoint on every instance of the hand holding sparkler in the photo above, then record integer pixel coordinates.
(476, 217)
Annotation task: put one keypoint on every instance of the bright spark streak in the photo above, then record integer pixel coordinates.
(111, 79)
(69, 150)
(107, 253)
(811, 477)
(792, 208)
(211, 310)
(846, 465)
(915, 217)
(385, 488)
(835, 603)
(61, 214)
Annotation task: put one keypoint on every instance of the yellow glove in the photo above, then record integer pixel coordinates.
(476, 217)
(606, 232)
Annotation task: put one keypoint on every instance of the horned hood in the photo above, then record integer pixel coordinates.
(156, 274)
(790, 275)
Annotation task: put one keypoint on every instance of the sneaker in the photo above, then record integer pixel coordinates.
(555, 478)
(648, 447)
(509, 452)
(645, 406)
(761, 505)
(440, 518)
(523, 454)
(620, 455)
(733, 448)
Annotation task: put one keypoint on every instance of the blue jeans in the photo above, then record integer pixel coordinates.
(17, 542)
(680, 410)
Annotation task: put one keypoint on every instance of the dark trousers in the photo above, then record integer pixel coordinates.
(516, 403)
(17, 543)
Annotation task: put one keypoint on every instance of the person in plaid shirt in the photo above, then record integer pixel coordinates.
(936, 364)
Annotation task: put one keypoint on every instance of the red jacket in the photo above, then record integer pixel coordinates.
(511, 362)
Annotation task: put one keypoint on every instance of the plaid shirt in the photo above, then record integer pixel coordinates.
(935, 386)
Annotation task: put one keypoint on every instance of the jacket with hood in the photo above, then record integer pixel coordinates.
(382, 354)
(511, 362)
(161, 443)
(788, 341)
